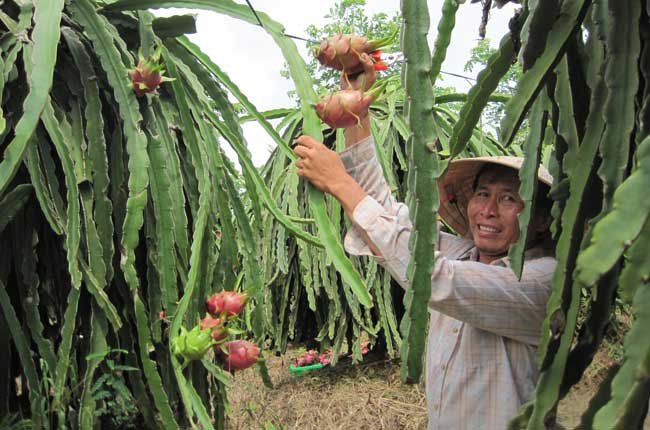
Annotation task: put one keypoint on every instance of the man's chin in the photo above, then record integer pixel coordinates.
(491, 251)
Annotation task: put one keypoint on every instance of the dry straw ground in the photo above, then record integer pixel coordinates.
(368, 395)
(363, 396)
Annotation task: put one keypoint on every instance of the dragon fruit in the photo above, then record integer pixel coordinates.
(343, 51)
(216, 325)
(239, 355)
(226, 303)
(344, 108)
(193, 344)
(147, 75)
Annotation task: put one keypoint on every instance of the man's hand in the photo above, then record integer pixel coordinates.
(319, 165)
(325, 170)
(361, 79)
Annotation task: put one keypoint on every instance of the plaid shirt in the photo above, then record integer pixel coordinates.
(485, 324)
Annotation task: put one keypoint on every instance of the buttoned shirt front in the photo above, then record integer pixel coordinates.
(484, 322)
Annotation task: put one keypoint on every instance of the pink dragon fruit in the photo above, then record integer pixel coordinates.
(343, 51)
(218, 332)
(343, 108)
(226, 303)
(239, 355)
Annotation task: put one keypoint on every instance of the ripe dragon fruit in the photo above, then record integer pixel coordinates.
(344, 108)
(343, 51)
(239, 355)
(226, 303)
(147, 75)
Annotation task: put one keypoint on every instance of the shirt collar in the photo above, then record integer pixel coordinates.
(535, 252)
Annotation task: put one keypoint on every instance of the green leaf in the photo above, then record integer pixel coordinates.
(98, 350)
(528, 179)
(12, 202)
(564, 302)
(39, 419)
(241, 97)
(622, 81)
(487, 81)
(424, 171)
(73, 221)
(102, 35)
(59, 403)
(445, 28)
(164, 207)
(630, 385)
(174, 26)
(45, 36)
(97, 159)
(166, 419)
(619, 228)
(570, 18)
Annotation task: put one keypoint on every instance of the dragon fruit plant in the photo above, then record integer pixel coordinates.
(213, 331)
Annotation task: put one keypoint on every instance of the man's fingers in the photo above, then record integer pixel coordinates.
(306, 141)
(301, 151)
(368, 70)
(366, 62)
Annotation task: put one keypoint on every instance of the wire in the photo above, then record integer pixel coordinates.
(250, 6)
(259, 22)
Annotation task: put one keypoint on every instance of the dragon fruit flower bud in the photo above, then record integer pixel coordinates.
(147, 75)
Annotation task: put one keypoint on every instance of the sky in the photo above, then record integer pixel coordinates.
(253, 61)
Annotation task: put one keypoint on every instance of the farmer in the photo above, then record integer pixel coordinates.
(484, 323)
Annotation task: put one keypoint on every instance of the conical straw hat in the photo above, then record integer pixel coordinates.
(455, 186)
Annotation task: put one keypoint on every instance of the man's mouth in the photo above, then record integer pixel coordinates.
(488, 229)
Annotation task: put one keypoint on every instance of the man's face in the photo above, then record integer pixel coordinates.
(492, 213)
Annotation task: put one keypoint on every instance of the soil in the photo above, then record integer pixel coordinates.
(367, 395)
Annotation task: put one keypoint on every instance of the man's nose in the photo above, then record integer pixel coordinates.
(490, 207)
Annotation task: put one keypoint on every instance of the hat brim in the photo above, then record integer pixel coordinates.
(455, 187)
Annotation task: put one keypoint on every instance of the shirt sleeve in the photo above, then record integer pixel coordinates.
(488, 297)
(360, 161)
